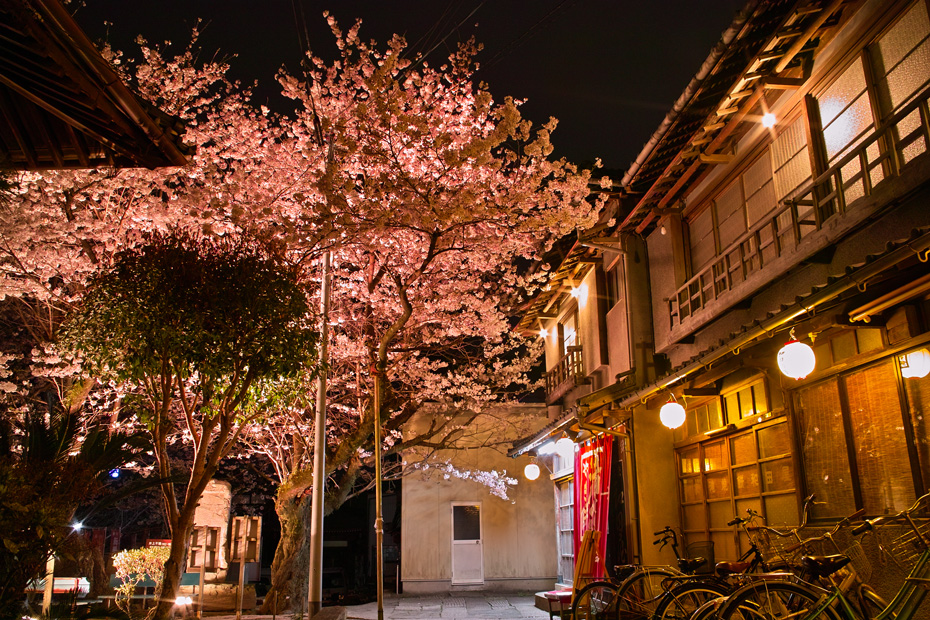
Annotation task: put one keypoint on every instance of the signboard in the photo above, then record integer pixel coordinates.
(158, 542)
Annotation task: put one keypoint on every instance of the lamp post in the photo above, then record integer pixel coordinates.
(315, 595)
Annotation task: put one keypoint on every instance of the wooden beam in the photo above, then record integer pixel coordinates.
(716, 158)
(782, 83)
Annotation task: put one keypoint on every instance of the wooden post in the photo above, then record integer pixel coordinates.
(241, 539)
(49, 584)
(203, 569)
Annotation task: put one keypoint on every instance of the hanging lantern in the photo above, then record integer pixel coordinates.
(672, 414)
(796, 359)
(915, 365)
(531, 471)
(565, 447)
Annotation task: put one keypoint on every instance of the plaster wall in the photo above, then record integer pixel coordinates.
(657, 483)
(518, 533)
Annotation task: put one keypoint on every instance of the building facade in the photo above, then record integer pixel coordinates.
(785, 197)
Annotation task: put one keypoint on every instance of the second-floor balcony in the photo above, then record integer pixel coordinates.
(565, 376)
(789, 233)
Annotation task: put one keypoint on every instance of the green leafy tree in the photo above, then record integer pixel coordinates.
(196, 328)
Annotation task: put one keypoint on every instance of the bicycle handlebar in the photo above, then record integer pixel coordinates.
(870, 524)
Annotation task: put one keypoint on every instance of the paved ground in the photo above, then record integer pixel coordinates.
(486, 606)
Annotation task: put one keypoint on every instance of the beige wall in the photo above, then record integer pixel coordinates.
(657, 480)
(518, 533)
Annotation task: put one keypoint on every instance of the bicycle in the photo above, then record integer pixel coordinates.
(631, 585)
(798, 600)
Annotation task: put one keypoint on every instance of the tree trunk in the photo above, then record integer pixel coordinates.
(277, 599)
(167, 591)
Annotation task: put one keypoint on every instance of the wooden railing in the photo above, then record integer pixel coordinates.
(877, 157)
(567, 374)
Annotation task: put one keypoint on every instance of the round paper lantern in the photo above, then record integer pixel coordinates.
(916, 364)
(796, 359)
(672, 414)
(565, 447)
(531, 471)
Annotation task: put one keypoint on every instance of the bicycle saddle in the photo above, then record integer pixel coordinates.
(728, 568)
(689, 565)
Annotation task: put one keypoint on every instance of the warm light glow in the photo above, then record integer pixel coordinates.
(543, 333)
(915, 365)
(183, 600)
(565, 447)
(77, 526)
(796, 359)
(531, 471)
(672, 414)
(768, 120)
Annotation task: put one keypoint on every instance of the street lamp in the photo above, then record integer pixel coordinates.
(796, 359)
(915, 365)
(672, 414)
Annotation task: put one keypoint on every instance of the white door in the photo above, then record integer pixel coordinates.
(467, 554)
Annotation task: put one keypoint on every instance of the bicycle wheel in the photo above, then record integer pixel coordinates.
(596, 601)
(774, 600)
(683, 600)
(640, 593)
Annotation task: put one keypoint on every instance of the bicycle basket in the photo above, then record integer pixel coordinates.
(860, 561)
(774, 548)
(905, 540)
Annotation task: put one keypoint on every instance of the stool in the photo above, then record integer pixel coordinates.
(562, 597)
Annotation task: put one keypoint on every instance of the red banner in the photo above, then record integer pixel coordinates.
(592, 491)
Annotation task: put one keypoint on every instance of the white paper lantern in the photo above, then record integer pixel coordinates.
(531, 471)
(565, 447)
(672, 414)
(916, 364)
(796, 359)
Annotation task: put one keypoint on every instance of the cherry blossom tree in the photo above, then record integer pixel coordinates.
(431, 195)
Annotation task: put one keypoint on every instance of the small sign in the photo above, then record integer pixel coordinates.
(158, 542)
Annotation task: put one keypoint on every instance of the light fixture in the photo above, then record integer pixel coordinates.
(546, 448)
(77, 526)
(565, 447)
(768, 120)
(672, 414)
(114, 473)
(543, 332)
(796, 359)
(531, 471)
(915, 365)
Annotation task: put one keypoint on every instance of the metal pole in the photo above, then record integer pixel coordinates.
(315, 597)
(379, 518)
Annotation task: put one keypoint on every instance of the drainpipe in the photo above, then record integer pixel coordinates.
(691, 89)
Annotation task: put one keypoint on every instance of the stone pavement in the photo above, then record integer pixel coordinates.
(483, 605)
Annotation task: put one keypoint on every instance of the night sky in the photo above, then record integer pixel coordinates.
(608, 70)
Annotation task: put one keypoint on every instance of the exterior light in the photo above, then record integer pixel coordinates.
(796, 359)
(915, 365)
(531, 471)
(114, 473)
(672, 414)
(77, 526)
(183, 600)
(768, 120)
(543, 333)
(565, 447)
(576, 292)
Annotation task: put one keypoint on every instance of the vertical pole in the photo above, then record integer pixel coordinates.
(49, 584)
(315, 597)
(203, 569)
(241, 542)
(379, 518)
